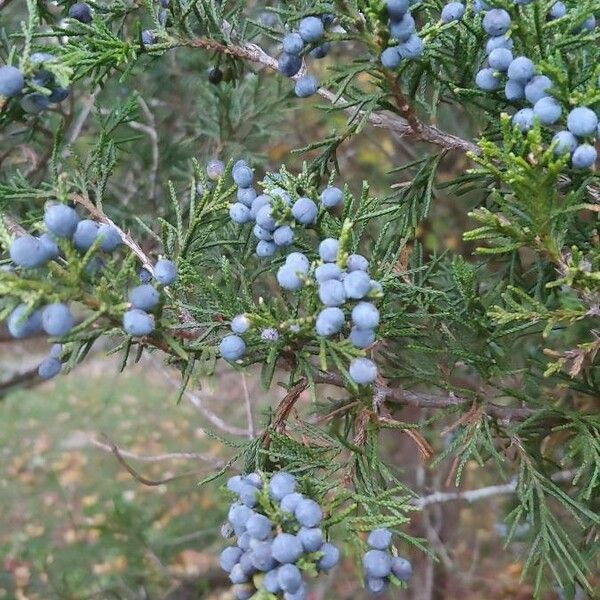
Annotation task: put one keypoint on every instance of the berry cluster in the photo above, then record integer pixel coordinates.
(403, 30)
(380, 566)
(278, 536)
(523, 83)
(307, 39)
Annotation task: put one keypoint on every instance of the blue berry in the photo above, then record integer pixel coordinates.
(487, 80)
(320, 51)
(403, 28)
(306, 86)
(500, 59)
(264, 218)
(330, 558)
(521, 69)
(270, 582)
(328, 250)
(290, 502)
(330, 321)
(288, 279)
(28, 252)
(584, 157)
(390, 58)
(229, 558)
(332, 292)
(377, 563)
(109, 236)
(287, 548)
(453, 11)
(232, 347)
(289, 64)
(57, 319)
(582, 121)
(293, 43)
(50, 367)
(239, 213)
(243, 591)
(401, 568)
(496, 22)
(81, 12)
(246, 196)
(22, 326)
(49, 246)
(305, 211)
(500, 41)
(547, 110)
(308, 513)
(357, 284)
(537, 88)
(137, 322)
(248, 493)
(264, 249)
(240, 324)
(148, 37)
(514, 90)
(327, 271)
(262, 556)
(61, 220)
(281, 485)
(311, 29)
(254, 479)
(412, 48)
(380, 539)
(144, 275)
(259, 203)
(215, 169)
(566, 143)
(283, 236)
(243, 176)
(259, 526)
(165, 271)
(144, 297)
(524, 119)
(234, 484)
(365, 315)
(58, 95)
(357, 262)
(298, 262)
(362, 338)
(246, 564)
(239, 514)
(311, 538)
(11, 81)
(363, 371)
(34, 103)
(332, 196)
(289, 578)
(85, 234)
(558, 10)
(396, 8)
(237, 575)
(261, 233)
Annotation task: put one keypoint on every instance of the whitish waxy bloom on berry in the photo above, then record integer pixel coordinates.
(306, 86)
(281, 485)
(165, 271)
(311, 29)
(240, 324)
(331, 197)
(136, 322)
(232, 347)
(453, 11)
(61, 220)
(11, 81)
(50, 367)
(28, 252)
(380, 539)
(363, 371)
(57, 319)
(144, 297)
(23, 322)
(582, 121)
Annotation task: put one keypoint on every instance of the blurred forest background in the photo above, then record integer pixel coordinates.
(74, 523)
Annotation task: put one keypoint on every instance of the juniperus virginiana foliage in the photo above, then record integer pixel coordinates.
(500, 342)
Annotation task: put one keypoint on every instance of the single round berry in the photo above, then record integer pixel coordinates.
(390, 58)
(11, 81)
(524, 119)
(144, 275)
(293, 43)
(582, 121)
(547, 110)
(305, 211)
(401, 568)
(85, 234)
(262, 556)
(58, 95)
(332, 196)
(289, 578)
(328, 250)
(229, 558)
(453, 11)
(215, 75)
(487, 80)
(80, 11)
(376, 585)
(330, 558)
(287, 548)
(330, 321)
(380, 539)
(332, 292)
(289, 64)
(365, 315)
(234, 484)
(327, 271)
(110, 239)
(500, 41)
(232, 347)
(320, 51)
(311, 29)
(243, 176)
(558, 10)
(357, 262)
(496, 22)
(377, 563)
(23, 322)
(584, 157)
(290, 502)
(165, 271)
(136, 322)
(57, 319)
(261, 233)
(537, 88)
(240, 324)
(254, 479)
(306, 86)
(500, 59)
(239, 213)
(283, 236)
(264, 218)
(259, 526)
(363, 371)
(50, 367)
(362, 338)
(144, 297)
(270, 582)
(357, 284)
(246, 196)
(288, 279)
(403, 28)
(49, 246)
(308, 513)
(396, 8)
(28, 252)
(248, 495)
(237, 575)
(298, 262)
(514, 90)
(521, 69)
(566, 143)
(412, 48)
(281, 485)
(264, 249)
(238, 515)
(61, 220)
(311, 538)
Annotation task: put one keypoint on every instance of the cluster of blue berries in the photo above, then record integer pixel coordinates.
(308, 38)
(522, 83)
(278, 536)
(380, 566)
(403, 30)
